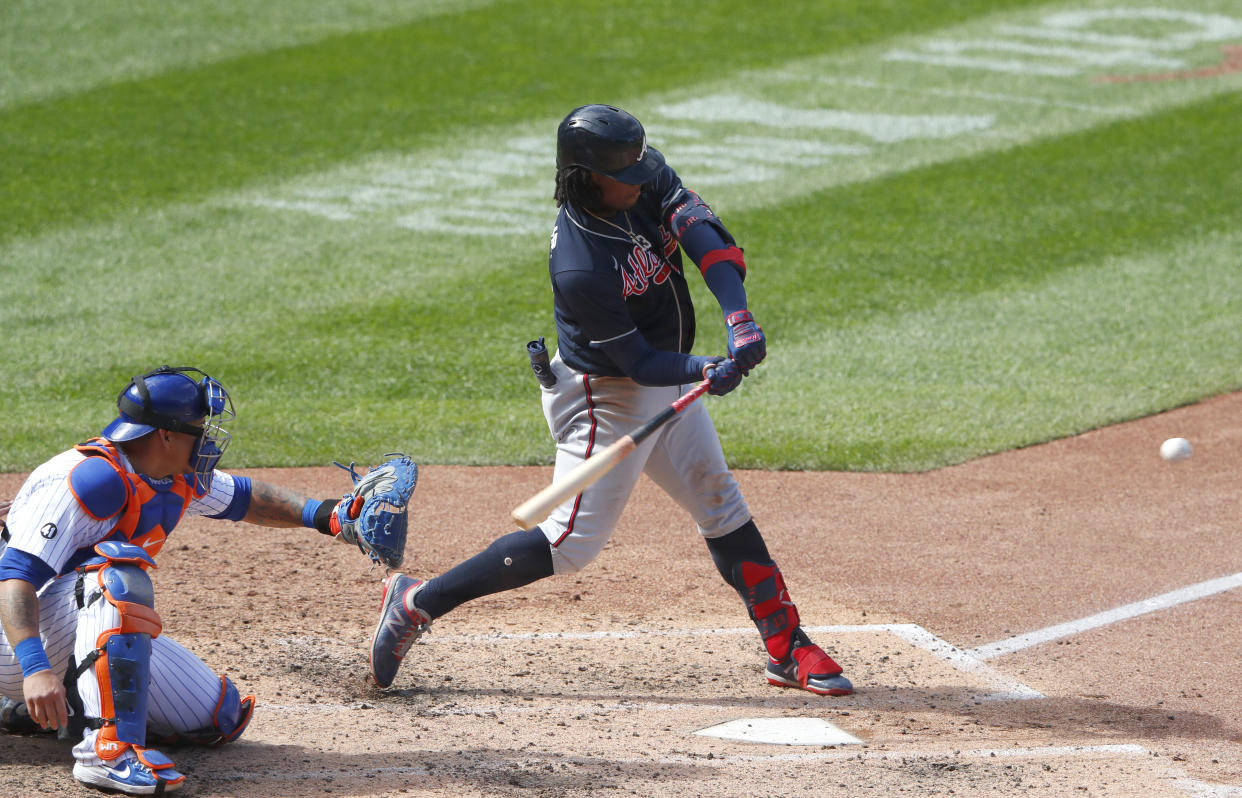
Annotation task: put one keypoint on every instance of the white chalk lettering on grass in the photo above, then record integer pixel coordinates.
(885, 128)
(736, 141)
(1080, 43)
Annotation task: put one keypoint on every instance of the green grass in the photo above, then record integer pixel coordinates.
(991, 294)
(56, 47)
(182, 133)
(1000, 301)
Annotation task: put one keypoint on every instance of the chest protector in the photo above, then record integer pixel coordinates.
(146, 510)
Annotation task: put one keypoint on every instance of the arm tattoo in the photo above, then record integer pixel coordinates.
(19, 610)
(271, 505)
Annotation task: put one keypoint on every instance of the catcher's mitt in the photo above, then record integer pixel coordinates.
(373, 514)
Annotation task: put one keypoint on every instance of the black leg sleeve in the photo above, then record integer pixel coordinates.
(743, 544)
(513, 560)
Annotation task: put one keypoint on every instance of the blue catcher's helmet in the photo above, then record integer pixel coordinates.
(179, 399)
(609, 141)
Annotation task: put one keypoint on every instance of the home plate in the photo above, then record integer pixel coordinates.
(781, 731)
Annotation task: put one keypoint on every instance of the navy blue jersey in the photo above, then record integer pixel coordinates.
(623, 273)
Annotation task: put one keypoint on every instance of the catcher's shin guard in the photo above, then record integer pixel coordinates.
(793, 660)
(121, 665)
(122, 658)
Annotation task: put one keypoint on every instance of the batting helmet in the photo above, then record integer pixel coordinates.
(179, 399)
(609, 141)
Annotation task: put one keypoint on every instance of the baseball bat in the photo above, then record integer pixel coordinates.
(529, 513)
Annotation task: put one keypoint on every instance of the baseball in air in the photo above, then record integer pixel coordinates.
(1176, 449)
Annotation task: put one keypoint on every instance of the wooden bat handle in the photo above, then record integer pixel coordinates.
(529, 513)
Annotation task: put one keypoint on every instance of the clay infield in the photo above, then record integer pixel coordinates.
(933, 590)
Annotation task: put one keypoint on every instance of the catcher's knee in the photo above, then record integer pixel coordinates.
(232, 714)
(229, 719)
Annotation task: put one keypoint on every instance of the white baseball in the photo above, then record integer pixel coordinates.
(1176, 449)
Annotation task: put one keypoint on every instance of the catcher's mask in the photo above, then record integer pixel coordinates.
(178, 399)
(608, 141)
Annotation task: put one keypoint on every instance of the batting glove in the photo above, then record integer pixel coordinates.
(747, 346)
(722, 375)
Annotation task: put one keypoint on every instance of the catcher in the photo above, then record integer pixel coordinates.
(77, 605)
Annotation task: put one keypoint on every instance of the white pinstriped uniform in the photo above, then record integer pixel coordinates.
(47, 522)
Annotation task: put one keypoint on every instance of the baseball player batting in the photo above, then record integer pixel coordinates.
(76, 599)
(625, 328)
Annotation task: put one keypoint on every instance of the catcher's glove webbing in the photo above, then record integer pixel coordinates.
(374, 514)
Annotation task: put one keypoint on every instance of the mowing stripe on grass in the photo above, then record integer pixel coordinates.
(808, 124)
(997, 369)
(969, 200)
(183, 134)
(55, 47)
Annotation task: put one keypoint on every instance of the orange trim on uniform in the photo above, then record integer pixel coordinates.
(717, 255)
(139, 493)
(135, 617)
(245, 709)
(107, 745)
(139, 618)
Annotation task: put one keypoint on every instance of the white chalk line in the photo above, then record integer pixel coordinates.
(1161, 602)
(970, 661)
(973, 661)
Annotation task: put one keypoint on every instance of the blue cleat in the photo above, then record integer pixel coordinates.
(400, 624)
(136, 772)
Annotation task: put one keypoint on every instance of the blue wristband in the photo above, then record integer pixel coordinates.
(32, 657)
(308, 512)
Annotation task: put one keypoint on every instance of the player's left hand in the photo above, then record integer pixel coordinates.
(722, 375)
(374, 515)
(747, 346)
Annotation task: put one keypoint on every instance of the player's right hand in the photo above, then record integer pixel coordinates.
(722, 376)
(747, 345)
(45, 699)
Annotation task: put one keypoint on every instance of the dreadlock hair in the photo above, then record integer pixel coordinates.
(574, 186)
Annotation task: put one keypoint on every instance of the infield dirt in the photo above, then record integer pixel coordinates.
(595, 683)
